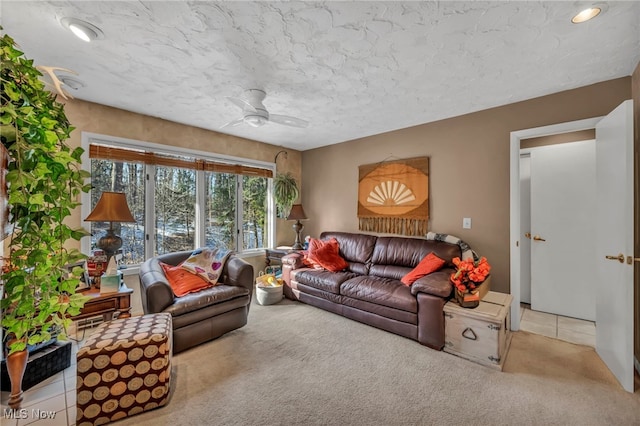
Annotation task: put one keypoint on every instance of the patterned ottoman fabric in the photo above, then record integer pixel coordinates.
(124, 368)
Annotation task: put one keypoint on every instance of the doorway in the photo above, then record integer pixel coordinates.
(614, 228)
(558, 200)
(515, 219)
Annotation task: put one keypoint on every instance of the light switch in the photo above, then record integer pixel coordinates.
(466, 223)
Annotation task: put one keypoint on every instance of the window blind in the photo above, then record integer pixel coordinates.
(104, 152)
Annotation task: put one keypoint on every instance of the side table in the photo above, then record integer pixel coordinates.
(481, 334)
(276, 254)
(106, 304)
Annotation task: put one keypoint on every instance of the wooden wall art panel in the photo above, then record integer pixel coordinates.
(393, 196)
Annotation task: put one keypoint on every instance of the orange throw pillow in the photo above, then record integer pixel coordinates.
(430, 263)
(326, 254)
(309, 260)
(183, 282)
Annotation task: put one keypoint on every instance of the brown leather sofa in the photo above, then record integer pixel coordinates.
(204, 315)
(370, 291)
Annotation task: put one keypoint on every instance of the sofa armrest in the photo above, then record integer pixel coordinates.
(155, 290)
(436, 283)
(294, 260)
(291, 262)
(238, 272)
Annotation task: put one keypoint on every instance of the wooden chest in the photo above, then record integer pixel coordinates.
(481, 334)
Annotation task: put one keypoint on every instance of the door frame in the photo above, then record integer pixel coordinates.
(514, 199)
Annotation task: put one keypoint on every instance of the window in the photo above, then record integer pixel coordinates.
(254, 207)
(220, 209)
(180, 201)
(175, 209)
(118, 176)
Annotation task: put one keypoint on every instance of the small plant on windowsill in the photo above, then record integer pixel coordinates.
(45, 180)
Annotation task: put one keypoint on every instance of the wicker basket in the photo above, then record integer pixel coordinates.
(267, 295)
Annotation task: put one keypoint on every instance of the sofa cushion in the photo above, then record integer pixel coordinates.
(389, 271)
(381, 291)
(402, 251)
(331, 297)
(357, 248)
(383, 311)
(191, 318)
(208, 297)
(431, 263)
(323, 280)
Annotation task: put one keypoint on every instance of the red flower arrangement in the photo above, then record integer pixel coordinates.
(469, 273)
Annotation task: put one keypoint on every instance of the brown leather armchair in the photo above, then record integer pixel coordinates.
(202, 316)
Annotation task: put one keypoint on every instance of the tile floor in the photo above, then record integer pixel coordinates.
(55, 395)
(58, 393)
(556, 326)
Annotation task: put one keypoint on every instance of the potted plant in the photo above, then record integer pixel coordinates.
(44, 180)
(285, 191)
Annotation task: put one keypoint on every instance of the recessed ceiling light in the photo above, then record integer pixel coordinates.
(588, 13)
(83, 30)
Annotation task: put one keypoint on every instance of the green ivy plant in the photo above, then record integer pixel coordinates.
(285, 190)
(45, 180)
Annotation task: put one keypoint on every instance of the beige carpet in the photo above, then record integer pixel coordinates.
(294, 364)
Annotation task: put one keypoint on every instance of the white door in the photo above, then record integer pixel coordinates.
(525, 228)
(563, 180)
(614, 239)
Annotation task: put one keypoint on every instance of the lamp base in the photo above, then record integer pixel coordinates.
(298, 227)
(110, 244)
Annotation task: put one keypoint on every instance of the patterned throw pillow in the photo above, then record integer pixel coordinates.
(207, 263)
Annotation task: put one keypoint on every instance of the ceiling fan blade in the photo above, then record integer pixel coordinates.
(233, 123)
(288, 121)
(241, 103)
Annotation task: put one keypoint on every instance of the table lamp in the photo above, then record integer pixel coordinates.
(112, 207)
(297, 214)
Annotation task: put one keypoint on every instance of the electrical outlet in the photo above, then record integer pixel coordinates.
(466, 223)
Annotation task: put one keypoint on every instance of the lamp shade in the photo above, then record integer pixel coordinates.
(112, 207)
(296, 213)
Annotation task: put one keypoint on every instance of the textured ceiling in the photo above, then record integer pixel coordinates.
(352, 69)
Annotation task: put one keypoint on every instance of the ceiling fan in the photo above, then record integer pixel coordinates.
(255, 114)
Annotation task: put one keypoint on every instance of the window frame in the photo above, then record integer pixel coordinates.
(95, 138)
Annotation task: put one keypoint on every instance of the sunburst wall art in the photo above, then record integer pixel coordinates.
(393, 196)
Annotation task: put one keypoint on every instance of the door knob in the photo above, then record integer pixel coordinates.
(619, 258)
(538, 238)
(527, 234)
(631, 259)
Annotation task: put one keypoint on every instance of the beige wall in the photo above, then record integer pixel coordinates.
(469, 167)
(95, 118)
